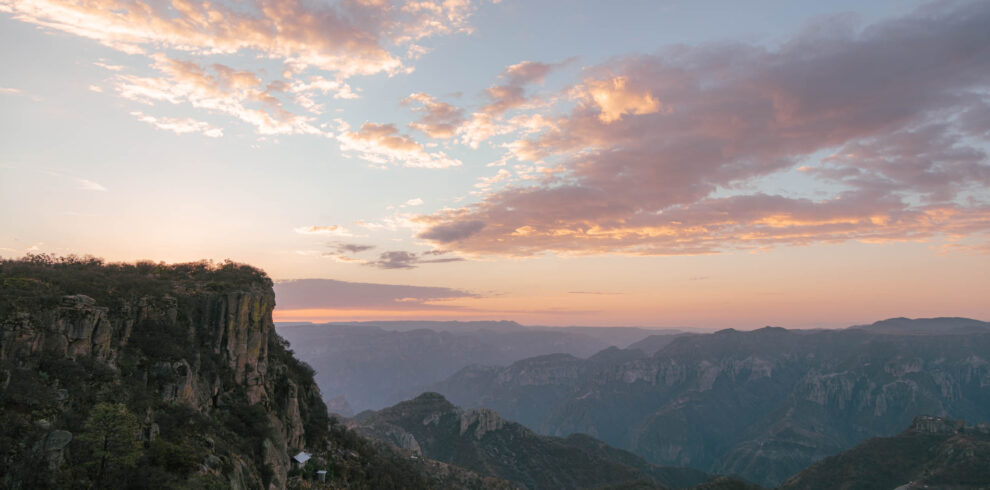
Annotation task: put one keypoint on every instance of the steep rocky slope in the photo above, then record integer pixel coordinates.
(761, 404)
(932, 453)
(480, 440)
(165, 376)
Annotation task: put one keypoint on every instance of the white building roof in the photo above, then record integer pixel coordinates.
(302, 457)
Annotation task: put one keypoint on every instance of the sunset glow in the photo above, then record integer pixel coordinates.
(683, 164)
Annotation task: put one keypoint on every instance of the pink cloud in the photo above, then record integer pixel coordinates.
(382, 144)
(439, 119)
(336, 40)
(217, 88)
(655, 144)
(488, 120)
(350, 38)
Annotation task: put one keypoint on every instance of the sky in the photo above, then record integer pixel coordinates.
(651, 163)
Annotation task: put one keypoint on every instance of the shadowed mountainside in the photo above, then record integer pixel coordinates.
(932, 453)
(482, 441)
(762, 404)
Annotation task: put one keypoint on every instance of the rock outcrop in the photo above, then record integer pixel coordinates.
(202, 345)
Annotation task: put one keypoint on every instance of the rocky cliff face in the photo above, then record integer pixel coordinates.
(203, 348)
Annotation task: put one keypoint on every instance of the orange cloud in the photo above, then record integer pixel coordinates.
(615, 99)
(382, 144)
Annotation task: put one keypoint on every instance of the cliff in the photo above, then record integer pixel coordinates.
(194, 341)
(166, 376)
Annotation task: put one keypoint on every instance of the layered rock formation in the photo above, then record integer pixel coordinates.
(198, 346)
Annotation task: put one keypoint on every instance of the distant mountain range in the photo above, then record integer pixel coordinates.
(429, 426)
(933, 452)
(927, 326)
(761, 404)
(376, 364)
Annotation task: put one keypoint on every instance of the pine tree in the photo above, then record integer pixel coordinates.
(111, 434)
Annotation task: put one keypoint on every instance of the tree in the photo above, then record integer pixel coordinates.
(111, 433)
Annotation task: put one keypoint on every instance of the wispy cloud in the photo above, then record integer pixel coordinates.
(331, 230)
(352, 247)
(180, 125)
(320, 45)
(382, 144)
(400, 259)
(81, 183)
(488, 121)
(218, 88)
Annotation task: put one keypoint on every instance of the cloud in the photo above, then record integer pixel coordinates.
(348, 38)
(614, 99)
(217, 88)
(352, 247)
(670, 153)
(81, 183)
(180, 125)
(487, 121)
(382, 144)
(527, 72)
(414, 202)
(332, 230)
(320, 46)
(455, 231)
(302, 294)
(439, 119)
(400, 259)
(10, 91)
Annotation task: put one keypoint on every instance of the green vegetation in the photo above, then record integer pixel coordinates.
(40, 281)
(111, 442)
(139, 390)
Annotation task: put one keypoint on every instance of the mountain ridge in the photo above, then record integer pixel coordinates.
(762, 404)
(480, 440)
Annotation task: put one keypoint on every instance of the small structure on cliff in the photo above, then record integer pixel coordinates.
(302, 457)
